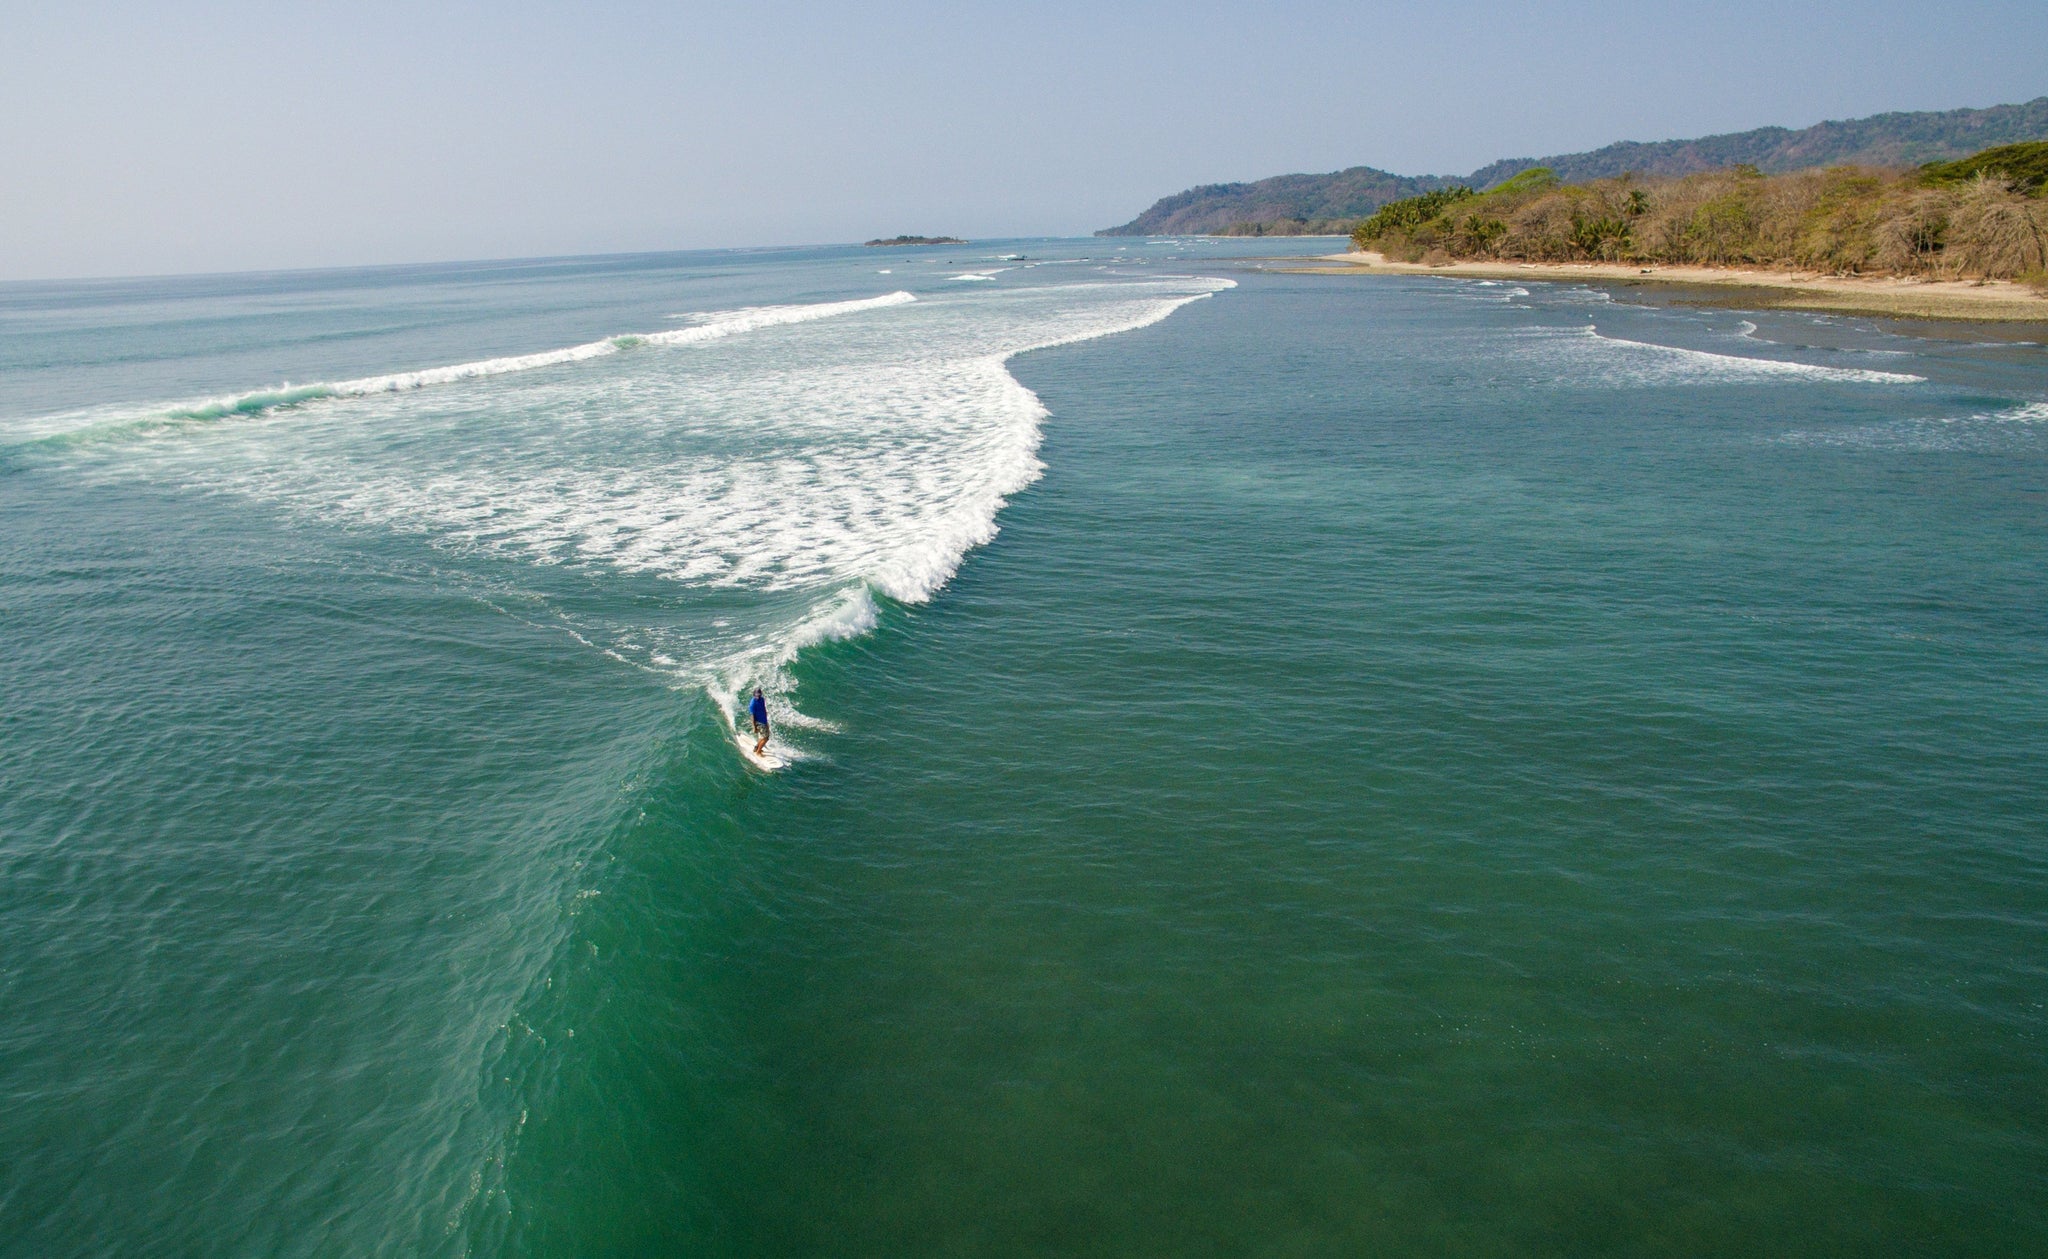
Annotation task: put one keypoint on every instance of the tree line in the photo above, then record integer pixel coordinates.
(1983, 217)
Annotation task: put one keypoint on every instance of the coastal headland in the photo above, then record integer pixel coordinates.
(1894, 297)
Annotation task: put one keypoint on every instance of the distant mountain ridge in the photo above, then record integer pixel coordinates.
(1297, 204)
(1340, 197)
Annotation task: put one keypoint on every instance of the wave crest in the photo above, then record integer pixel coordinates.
(1738, 366)
(260, 401)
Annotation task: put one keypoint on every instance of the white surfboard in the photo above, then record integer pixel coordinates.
(770, 761)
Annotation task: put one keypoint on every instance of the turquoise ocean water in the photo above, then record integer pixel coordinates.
(1282, 765)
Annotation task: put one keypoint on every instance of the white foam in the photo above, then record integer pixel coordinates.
(735, 322)
(2031, 413)
(713, 327)
(1645, 362)
(1497, 292)
(710, 327)
(2008, 429)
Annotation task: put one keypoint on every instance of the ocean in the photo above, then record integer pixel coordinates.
(1279, 764)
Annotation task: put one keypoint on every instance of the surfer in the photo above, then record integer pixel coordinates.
(759, 710)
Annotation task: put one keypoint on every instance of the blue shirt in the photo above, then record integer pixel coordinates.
(760, 710)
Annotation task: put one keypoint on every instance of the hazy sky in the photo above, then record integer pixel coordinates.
(151, 138)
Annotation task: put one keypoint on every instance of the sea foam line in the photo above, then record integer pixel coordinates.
(730, 323)
(2024, 413)
(1739, 364)
(260, 401)
(1978, 430)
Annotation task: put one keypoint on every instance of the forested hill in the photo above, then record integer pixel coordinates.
(1880, 140)
(1295, 204)
(1288, 205)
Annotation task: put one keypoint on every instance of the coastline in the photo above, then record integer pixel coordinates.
(1989, 301)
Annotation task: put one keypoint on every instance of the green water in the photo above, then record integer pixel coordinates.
(1413, 777)
(1381, 818)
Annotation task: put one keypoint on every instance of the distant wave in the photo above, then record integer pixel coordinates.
(2011, 428)
(1748, 332)
(2032, 413)
(1738, 366)
(726, 324)
(1505, 292)
(259, 401)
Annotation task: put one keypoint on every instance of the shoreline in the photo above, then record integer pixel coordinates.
(1989, 301)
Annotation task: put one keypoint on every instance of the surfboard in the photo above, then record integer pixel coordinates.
(769, 761)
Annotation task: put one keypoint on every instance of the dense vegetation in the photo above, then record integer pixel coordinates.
(1983, 217)
(1301, 204)
(2026, 165)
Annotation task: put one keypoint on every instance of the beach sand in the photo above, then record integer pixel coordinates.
(1989, 301)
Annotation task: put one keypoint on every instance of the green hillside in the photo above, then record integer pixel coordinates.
(2024, 164)
(1286, 205)
(1289, 204)
(1896, 139)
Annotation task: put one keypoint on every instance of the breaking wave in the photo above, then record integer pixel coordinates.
(1592, 356)
(2010, 429)
(791, 483)
(259, 401)
(1706, 363)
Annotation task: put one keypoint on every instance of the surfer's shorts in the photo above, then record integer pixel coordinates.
(760, 727)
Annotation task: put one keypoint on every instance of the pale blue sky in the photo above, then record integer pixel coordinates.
(147, 138)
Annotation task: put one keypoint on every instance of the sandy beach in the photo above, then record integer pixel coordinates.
(1992, 301)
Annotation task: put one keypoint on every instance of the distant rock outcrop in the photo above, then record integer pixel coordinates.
(1293, 204)
(919, 240)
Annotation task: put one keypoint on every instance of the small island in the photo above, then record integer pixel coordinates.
(919, 240)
